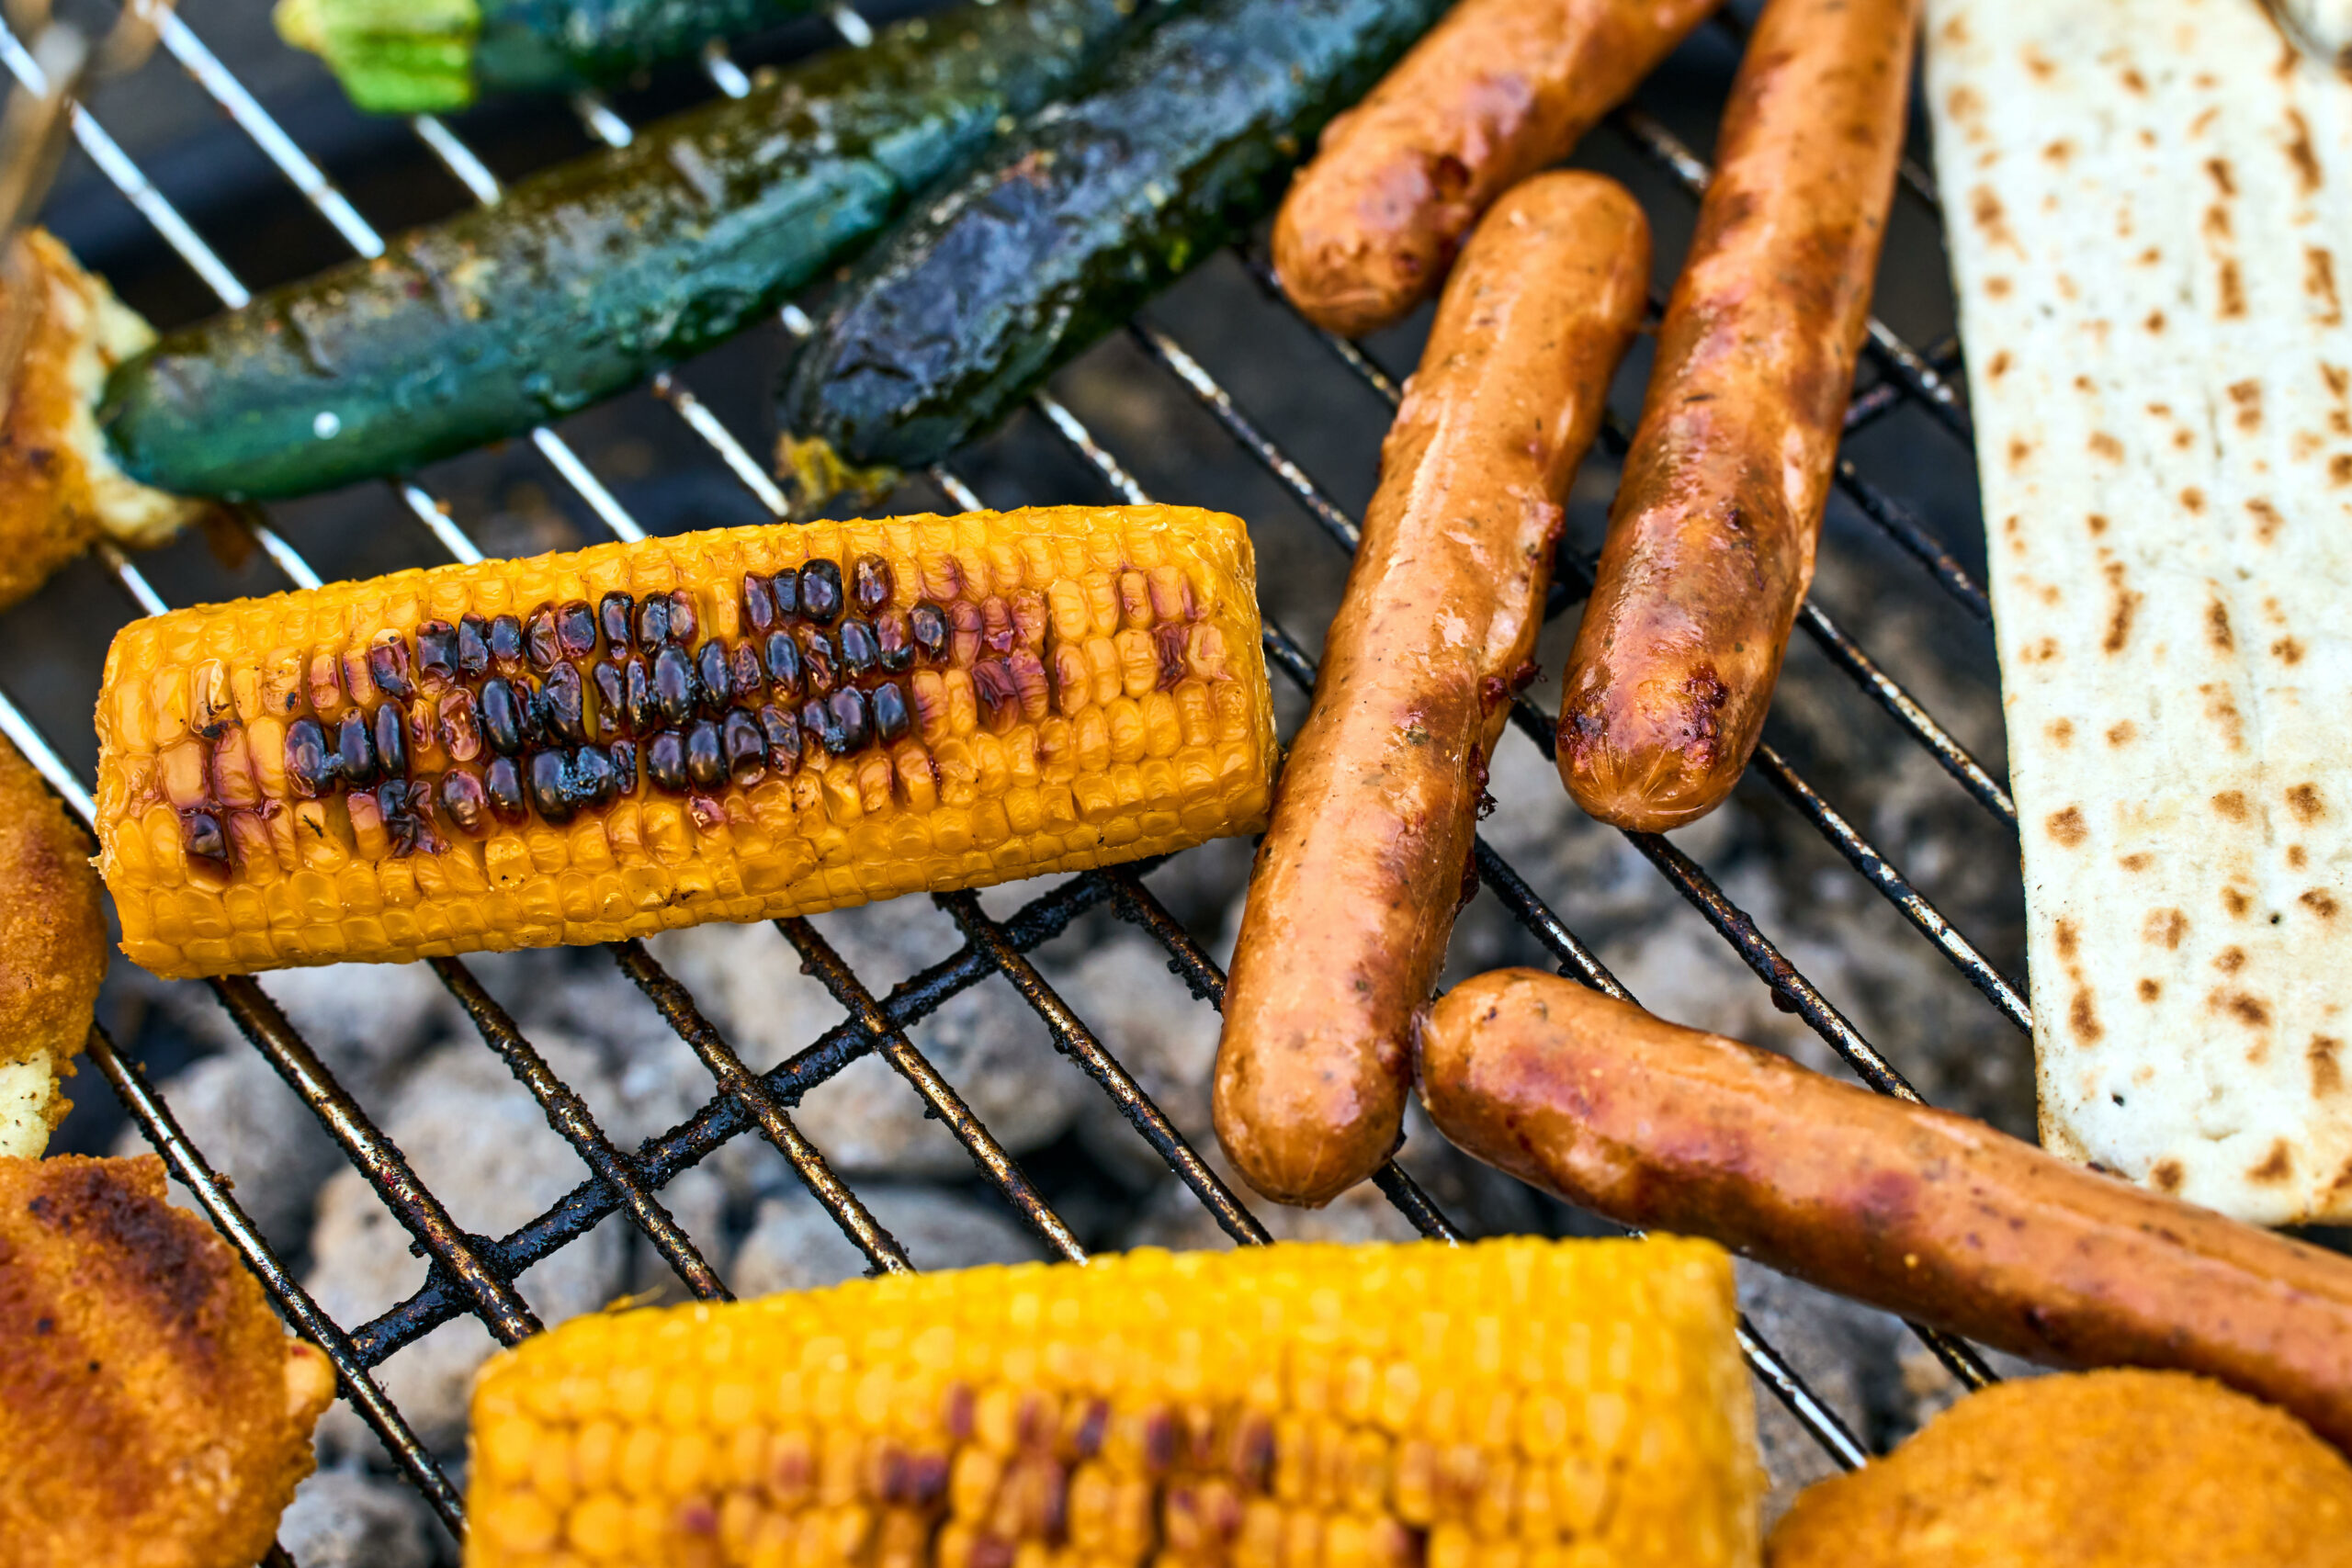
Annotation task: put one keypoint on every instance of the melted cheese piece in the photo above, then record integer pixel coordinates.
(30, 1106)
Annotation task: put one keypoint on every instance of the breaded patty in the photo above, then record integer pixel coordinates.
(52, 953)
(2099, 1469)
(152, 1409)
(59, 487)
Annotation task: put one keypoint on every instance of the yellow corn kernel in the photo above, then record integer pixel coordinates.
(1147, 1408)
(530, 753)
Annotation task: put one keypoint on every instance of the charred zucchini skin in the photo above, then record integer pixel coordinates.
(588, 279)
(1063, 229)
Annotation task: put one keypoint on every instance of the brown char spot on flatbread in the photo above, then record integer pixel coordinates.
(2232, 292)
(2216, 626)
(2339, 469)
(2120, 613)
(2223, 709)
(2299, 153)
(2235, 901)
(2247, 395)
(2167, 1175)
(2155, 321)
(2220, 169)
(2082, 1018)
(2246, 1008)
(2097, 523)
(2230, 960)
(2231, 803)
(1984, 210)
(2303, 800)
(2106, 447)
(2150, 989)
(2138, 860)
(2164, 925)
(2068, 827)
(2068, 939)
(2287, 650)
(2020, 450)
(1999, 366)
(2266, 519)
(2327, 1073)
(2318, 282)
(2296, 857)
(2061, 732)
(2122, 732)
(2319, 901)
(2277, 1166)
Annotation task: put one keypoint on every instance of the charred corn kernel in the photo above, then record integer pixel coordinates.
(1325, 1405)
(733, 725)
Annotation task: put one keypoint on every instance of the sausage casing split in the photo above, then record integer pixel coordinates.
(1920, 1212)
(1496, 91)
(1356, 884)
(1710, 542)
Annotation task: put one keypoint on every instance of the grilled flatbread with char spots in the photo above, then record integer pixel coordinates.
(2152, 234)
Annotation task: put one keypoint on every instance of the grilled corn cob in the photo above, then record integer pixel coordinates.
(733, 725)
(1523, 1402)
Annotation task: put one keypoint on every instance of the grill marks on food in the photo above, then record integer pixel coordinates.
(459, 729)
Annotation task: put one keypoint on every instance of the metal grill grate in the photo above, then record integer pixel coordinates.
(474, 1275)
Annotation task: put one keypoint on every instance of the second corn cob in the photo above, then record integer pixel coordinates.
(734, 725)
(1520, 1403)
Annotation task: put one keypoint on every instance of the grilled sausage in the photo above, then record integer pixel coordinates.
(1709, 546)
(1500, 89)
(1355, 886)
(1920, 1212)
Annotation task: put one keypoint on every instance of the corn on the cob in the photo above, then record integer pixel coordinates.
(1525, 1402)
(733, 725)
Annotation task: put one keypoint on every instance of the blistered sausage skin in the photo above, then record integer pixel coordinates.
(1922, 1212)
(1496, 91)
(1710, 542)
(1357, 881)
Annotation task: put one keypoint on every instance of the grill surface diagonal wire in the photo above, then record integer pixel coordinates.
(475, 1275)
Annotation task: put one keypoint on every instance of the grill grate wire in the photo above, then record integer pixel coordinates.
(473, 1275)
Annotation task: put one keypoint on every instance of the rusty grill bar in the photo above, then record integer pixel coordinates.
(473, 1275)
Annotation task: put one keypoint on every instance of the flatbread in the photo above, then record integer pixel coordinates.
(2151, 229)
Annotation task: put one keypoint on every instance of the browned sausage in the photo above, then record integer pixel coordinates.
(1496, 91)
(1710, 545)
(1920, 1212)
(1357, 882)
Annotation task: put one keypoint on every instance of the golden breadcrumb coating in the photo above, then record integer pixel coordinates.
(152, 1410)
(2101, 1469)
(52, 953)
(58, 489)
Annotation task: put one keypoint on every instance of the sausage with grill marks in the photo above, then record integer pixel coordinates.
(1710, 542)
(1355, 887)
(1920, 1212)
(1496, 91)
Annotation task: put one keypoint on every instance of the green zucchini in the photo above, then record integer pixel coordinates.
(588, 279)
(1062, 229)
(432, 56)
